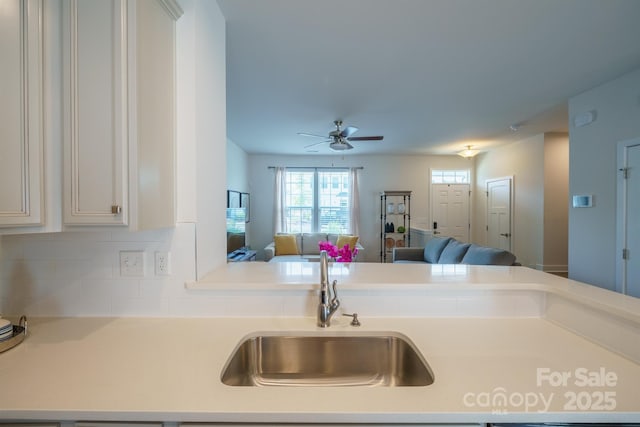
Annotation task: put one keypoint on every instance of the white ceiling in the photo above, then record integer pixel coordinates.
(430, 75)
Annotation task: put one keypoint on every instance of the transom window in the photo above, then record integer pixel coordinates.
(450, 177)
(317, 201)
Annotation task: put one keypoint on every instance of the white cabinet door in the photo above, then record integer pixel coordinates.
(21, 116)
(95, 112)
(152, 113)
(119, 91)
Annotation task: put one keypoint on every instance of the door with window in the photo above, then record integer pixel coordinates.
(499, 234)
(450, 210)
(628, 233)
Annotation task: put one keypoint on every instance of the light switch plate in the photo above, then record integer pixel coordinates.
(132, 263)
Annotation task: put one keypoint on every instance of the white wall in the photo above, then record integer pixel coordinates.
(210, 133)
(524, 160)
(237, 168)
(380, 173)
(77, 273)
(592, 231)
(540, 169)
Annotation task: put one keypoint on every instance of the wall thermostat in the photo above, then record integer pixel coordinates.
(583, 201)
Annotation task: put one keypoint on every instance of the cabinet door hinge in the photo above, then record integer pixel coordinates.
(625, 254)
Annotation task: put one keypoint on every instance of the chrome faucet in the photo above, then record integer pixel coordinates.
(326, 308)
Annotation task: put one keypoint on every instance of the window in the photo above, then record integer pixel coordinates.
(317, 201)
(450, 177)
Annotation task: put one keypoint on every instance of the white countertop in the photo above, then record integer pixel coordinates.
(168, 369)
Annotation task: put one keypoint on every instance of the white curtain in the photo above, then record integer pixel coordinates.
(354, 203)
(279, 224)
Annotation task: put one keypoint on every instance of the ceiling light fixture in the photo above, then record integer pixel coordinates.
(468, 152)
(340, 144)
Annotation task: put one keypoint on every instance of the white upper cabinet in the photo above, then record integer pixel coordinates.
(21, 114)
(95, 112)
(119, 112)
(152, 112)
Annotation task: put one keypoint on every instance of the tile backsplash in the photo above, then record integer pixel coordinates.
(77, 273)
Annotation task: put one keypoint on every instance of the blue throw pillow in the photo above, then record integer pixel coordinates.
(434, 247)
(453, 252)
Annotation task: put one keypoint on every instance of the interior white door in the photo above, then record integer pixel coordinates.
(450, 210)
(499, 233)
(629, 204)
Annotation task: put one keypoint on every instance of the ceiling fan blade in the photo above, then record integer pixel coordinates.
(366, 138)
(313, 145)
(312, 135)
(348, 131)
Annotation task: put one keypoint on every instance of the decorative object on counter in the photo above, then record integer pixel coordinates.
(16, 336)
(339, 254)
(6, 329)
(401, 208)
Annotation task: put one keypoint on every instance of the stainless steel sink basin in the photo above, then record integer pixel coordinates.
(324, 359)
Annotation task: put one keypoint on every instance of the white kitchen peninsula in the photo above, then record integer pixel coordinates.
(545, 344)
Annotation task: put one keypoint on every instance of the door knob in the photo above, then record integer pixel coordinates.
(505, 234)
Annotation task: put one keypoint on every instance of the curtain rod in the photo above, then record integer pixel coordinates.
(318, 167)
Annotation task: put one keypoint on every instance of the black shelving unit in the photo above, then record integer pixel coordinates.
(395, 208)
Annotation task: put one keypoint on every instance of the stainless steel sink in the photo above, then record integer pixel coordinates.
(324, 359)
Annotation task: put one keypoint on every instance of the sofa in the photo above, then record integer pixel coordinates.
(306, 246)
(447, 250)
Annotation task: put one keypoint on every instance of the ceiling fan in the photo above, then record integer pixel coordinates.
(339, 139)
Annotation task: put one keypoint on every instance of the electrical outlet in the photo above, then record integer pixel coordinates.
(163, 263)
(132, 263)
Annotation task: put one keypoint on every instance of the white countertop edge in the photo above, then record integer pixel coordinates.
(324, 417)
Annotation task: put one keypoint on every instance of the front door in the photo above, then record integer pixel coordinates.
(628, 212)
(499, 233)
(450, 210)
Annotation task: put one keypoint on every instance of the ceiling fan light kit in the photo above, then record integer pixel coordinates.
(340, 145)
(338, 139)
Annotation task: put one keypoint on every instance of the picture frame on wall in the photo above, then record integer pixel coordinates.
(245, 203)
(233, 199)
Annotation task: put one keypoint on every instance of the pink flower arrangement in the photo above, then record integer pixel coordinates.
(344, 254)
